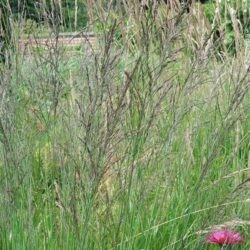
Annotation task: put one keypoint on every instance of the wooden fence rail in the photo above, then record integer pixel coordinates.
(63, 39)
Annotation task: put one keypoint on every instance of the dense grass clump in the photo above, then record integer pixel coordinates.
(140, 141)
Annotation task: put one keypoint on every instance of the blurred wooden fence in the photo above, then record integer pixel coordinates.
(63, 39)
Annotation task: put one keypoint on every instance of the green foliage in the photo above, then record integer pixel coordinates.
(224, 20)
(69, 14)
(209, 9)
(35, 10)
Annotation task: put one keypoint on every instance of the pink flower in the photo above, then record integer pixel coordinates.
(224, 237)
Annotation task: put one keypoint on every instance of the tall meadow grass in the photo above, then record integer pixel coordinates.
(140, 141)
